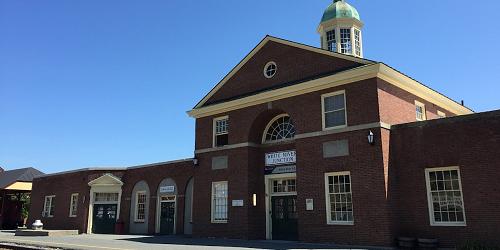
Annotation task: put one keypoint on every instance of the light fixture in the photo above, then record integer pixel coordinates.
(370, 138)
(254, 200)
(195, 161)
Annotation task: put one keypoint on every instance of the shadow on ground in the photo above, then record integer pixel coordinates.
(251, 244)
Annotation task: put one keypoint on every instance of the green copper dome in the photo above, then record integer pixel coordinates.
(340, 9)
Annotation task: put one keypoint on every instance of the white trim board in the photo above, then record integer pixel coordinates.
(378, 70)
(281, 41)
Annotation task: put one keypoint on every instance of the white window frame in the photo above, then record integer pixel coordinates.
(212, 207)
(269, 124)
(429, 198)
(214, 129)
(136, 206)
(73, 210)
(329, 220)
(424, 111)
(357, 51)
(335, 31)
(323, 118)
(275, 70)
(46, 213)
(350, 43)
(441, 114)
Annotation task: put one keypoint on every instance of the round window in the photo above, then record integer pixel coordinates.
(270, 69)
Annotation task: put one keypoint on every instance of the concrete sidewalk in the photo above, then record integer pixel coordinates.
(121, 242)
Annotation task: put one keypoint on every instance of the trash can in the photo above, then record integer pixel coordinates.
(119, 227)
(428, 243)
(407, 242)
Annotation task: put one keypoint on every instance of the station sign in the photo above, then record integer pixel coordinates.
(280, 162)
(167, 189)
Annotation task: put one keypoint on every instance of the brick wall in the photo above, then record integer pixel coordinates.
(469, 142)
(247, 124)
(398, 106)
(62, 186)
(180, 172)
(293, 64)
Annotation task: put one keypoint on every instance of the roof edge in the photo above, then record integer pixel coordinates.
(115, 168)
(452, 119)
(261, 44)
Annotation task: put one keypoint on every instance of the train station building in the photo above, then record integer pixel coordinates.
(314, 144)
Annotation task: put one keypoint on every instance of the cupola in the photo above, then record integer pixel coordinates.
(340, 29)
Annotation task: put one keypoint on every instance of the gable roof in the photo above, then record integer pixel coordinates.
(106, 180)
(18, 175)
(367, 69)
(375, 70)
(259, 46)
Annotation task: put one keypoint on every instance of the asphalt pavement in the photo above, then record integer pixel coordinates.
(125, 242)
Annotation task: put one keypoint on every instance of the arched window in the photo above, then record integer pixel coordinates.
(279, 128)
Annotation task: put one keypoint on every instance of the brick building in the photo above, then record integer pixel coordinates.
(310, 144)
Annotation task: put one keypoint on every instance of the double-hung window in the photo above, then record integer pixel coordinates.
(219, 202)
(444, 194)
(331, 40)
(49, 206)
(345, 41)
(221, 131)
(73, 205)
(420, 111)
(140, 206)
(334, 110)
(339, 198)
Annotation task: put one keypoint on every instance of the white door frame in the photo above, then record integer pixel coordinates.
(158, 212)
(269, 194)
(107, 183)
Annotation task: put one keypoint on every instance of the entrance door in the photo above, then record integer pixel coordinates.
(284, 217)
(167, 217)
(104, 218)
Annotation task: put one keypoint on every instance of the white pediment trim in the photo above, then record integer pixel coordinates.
(282, 41)
(106, 180)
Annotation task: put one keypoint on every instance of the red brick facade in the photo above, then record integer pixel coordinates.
(389, 193)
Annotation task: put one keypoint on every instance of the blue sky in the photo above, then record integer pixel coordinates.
(91, 83)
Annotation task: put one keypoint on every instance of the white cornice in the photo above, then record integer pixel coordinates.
(344, 77)
(378, 70)
(410, 85)
(282, 41)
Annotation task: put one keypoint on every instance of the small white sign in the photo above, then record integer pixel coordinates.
(280, 158)
(167, 189)
(237, 203)
(309, 204)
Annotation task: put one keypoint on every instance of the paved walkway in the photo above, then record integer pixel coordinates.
(124, 242)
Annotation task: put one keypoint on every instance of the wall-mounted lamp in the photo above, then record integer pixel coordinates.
(254, 200)
(370, 138)
(195, 161)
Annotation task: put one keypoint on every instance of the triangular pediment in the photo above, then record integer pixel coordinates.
(296, 63)
(106, 180)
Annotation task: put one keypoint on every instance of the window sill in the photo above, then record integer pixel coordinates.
(139, 221)
(335, 223)
(336, 127)
(435, 224)
(219, 222)
(72, 216)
